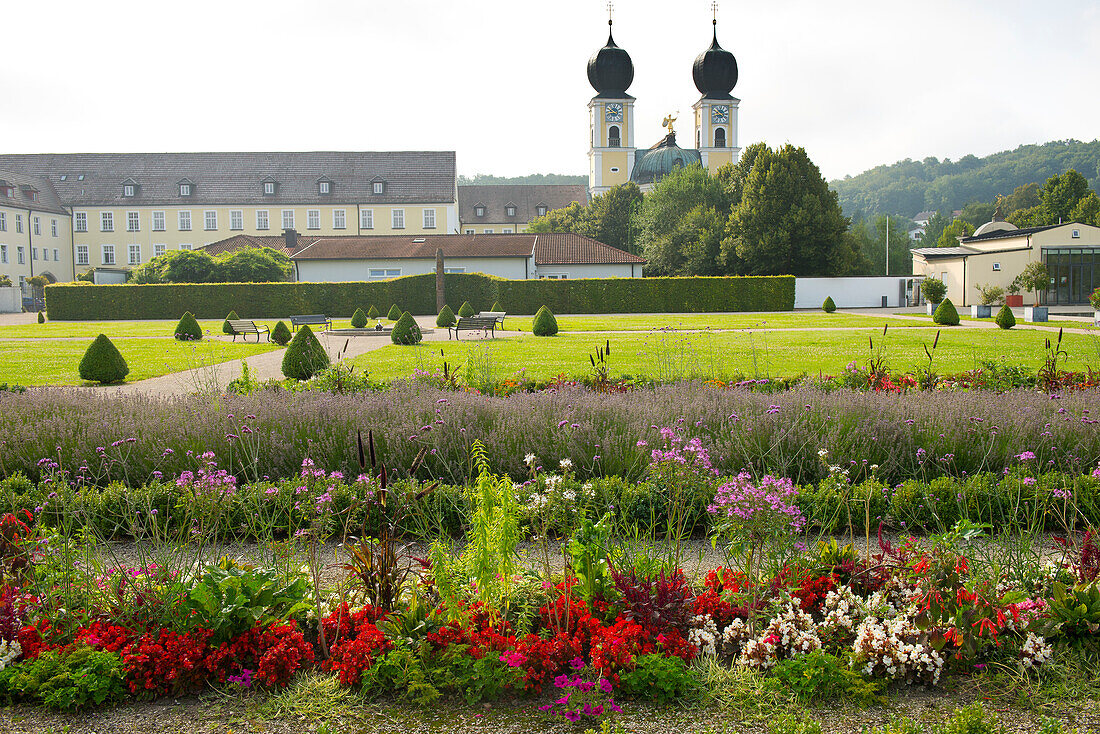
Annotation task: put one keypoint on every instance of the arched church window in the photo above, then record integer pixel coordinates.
(613, 140)
(720, 138)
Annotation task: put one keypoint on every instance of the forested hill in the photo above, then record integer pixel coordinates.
(484, 179)
(908, 187)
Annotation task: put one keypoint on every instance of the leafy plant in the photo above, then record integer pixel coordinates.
(933, 289)
(68, 679)
(657, 602)
(497, 308)
(989, 293)
(946, 314)
(1005, 318)
(1094, 299)
(828, 306)
(544, 323)
(188, 329)
(41, 317)
(305, 356)
(466, 309)
(372, 312)
(1034, 277)
(818, 676)
(406, 331)
(791, 724)
(103, 362)
(394, 314)
(969, 720)
(661, 679)
(1074, 617)
(359, 319)
(281, 334)
(226, 328)
(601, 372)
(589, 551)
(446, 317)
(1050, 377)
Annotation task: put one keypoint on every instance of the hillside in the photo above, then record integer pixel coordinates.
(908, 187)
(485, 179)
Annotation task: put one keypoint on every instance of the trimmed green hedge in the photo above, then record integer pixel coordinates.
(416, 294)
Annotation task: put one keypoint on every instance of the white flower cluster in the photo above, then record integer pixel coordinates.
(792, 633)
(1035, 651)
(9, 651)
(893, 648)
(703, 635)
(843, 610)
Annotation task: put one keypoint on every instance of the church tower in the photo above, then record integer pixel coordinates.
(611, 118)
(715, 74)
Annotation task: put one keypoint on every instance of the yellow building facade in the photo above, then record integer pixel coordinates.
(35, 233)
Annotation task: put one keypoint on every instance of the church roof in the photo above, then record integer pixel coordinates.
(525, 197)
(655, 163)
(715, 71)
(610, 70)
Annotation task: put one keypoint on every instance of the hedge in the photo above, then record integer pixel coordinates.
(416, 294)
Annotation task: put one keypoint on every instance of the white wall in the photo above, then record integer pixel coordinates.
(11, 300)
(849, 292)
(337, 271)
(572, 272)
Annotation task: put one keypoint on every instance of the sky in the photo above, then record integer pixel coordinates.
(858, 83)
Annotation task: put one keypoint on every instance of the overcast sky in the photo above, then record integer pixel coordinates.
(857, 83)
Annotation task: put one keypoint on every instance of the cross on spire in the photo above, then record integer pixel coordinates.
(714, 12)
(610, 12)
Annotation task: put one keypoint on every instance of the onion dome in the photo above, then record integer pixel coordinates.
(653, 164)
(715, 71)
(610, 70)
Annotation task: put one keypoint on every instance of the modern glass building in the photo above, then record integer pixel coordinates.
(1074, 274)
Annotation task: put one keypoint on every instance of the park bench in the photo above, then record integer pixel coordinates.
(498, 315)
(245, 327)
(473, 323)
(313, 319)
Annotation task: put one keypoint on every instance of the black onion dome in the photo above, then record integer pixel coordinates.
(610, 70)
(715, 71)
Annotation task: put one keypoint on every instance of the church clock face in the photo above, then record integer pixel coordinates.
(614, 112)
(719, 113)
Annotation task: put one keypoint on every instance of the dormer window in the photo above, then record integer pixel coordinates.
(6, 189)
(510, 210)
(30, 192)
(379, 187)
(269, 188)
(479, 210)
(129, 190)
(324, 187)
(540, 210)
(186, 187)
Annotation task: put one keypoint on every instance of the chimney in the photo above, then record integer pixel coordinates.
(291, 237)
(440, 299)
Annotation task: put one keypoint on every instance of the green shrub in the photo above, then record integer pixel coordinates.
(828, 306)
(359, 319)
(68, 679)
(791, 724)
(103, 362)
(446, 317)
(466, 309)
(969, 720)
(394, 314)
(818, 676)
(226, 328)
(305, 356)
(946, 314)
(281, 334)
(662, 680)
(933, 289)
(406, 331)
(85, 302)
(1005, 318)
(544, 323)
(372, 312)
(497, 307)
(230, 599)
(188, 328)
(41, 317)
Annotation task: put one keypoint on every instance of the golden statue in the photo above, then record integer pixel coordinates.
(667, 122)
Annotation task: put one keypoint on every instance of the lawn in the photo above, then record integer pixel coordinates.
(54, 362)
(647, 322)
(113, 329)
(1072, 324)
(665, 356)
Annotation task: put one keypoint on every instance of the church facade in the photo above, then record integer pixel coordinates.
(613, 155)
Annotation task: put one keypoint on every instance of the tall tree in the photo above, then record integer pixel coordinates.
(572, 218)
(936, 225)
(611, 216)
(675, 223)
(952, 232)
(1060, 194)
(788, 222)
(870, 240)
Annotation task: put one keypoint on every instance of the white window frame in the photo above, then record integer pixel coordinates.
(383, 273)
(507, 230)
(133, 255)
(453, 271)
(366, 219)
(159, 249)
(184, 220)
(53, 227)
(469, 231)
(379, 187)
(20, 255)
(429, 219)
(34, 254)
(541, 211)
(269, 188)
(82, 256)
(107, 254)
(37, 227)
(159, 222)
(3, 254)
(106, 221)
(288, 219)
(324, 187)
(262, 219)
(128, 190)
(133, 221)
(210, 220)
(510, 211)
(397, 219)
(236, 219)
(479, 211)
(19, 224)
(313, 218)
(185, 189)
(56, 255)
(185, 245)
(80, 222)
(339, 219)
(488, 230)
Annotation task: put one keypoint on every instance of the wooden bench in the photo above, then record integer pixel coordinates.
(473, 323)
(244, 327)
(498, 315)
(313, 319)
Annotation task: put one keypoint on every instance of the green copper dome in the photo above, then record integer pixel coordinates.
(651, 165)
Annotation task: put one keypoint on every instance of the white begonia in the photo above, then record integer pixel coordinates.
(9, 651)
(1035, 651)
(704, 635)
(791, 633)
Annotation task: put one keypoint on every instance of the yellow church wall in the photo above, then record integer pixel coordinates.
(615, 159)
(44, 252)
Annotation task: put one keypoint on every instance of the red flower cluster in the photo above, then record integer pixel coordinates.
(167, 663)
(354, 641)
(274, 652)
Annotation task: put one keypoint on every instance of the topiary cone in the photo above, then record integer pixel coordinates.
(41, 317)
(828, 306)
(946, 314)
(1005, 318)
(359, 319)
(103, 362)
(394, 314)
(497, 307)
(465, 309)
(544, 323)
(281, 334)
(188, 329)
(226, 328)
(305, 356)
(372, 312)
(406, 331)
(446, 317)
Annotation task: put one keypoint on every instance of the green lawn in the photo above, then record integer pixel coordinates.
(1072, 324)
(781, 320)
(113, 329)
(54, 362)
(666, 356)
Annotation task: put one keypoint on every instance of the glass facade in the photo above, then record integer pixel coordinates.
(1074, 274)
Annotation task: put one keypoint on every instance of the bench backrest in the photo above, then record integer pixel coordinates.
(313, 318)
(498, 315)
(474, 321)
(242, 325)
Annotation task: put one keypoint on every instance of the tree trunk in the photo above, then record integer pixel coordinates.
(440, 296)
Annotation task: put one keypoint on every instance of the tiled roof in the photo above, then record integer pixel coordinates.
(934, 252)
(1000, 234)
(242, 241)
(22, 184)
(95, 179)
(525, 198)
(575, 249)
